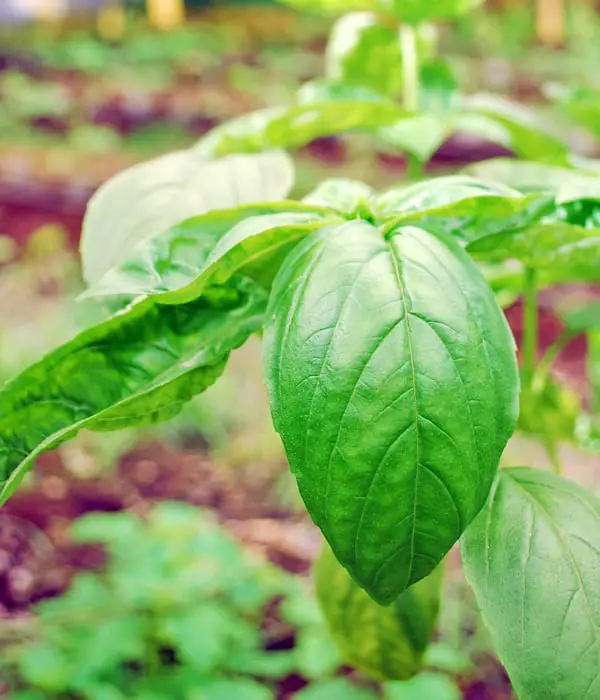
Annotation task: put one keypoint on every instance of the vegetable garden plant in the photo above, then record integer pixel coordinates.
(390, 367)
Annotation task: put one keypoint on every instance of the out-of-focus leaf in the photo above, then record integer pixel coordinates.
(528, 138)
(438, 87)
(550, 410)
(386, 643)
(137, 367)
(153, 196)
(421, 134)
(565, 248)
(178, 265)
(530, 557)
(425, 686)
(344, 195)
(363, 50)
(337, 689)
(582, 319)
(297, 125)
(241, 689)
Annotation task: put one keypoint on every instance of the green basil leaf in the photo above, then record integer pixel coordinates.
(422, 134)
(153, 196)
(552, 409)
(581, 104)
(180, 263)
(567, 250)
(344, 195)
(386, 643)
(437, 192)
(527, 137)
(526, 176)
(531, 557)
(438, 87)
(364, 51)
(582, 319)
(368, 341)
(425, 686)
(138, 367)
(297, 125)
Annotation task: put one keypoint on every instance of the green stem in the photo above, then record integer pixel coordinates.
(530, 330)
(544, 366)
(410, 68)
(414, 169)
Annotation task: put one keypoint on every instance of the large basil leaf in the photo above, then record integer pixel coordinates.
(179, 264)
(364, 51)
(139, 366)
(153, 196)
(387, 643)
(531, 557)
(346, 196)
(297, 125)
(369, 340)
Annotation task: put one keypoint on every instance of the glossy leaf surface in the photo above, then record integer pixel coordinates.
(180, 263)
(364, 51)
(138, 367)
(531, 557)
(368, 341)
(153, 196)
(386, 643)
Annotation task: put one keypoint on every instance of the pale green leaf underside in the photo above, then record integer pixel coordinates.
(368, 342)
(150, 197)
(533, 559)
(139, 366)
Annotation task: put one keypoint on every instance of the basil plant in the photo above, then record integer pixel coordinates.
(391, 375)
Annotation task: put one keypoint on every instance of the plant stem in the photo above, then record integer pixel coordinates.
(545, 364)
(414, 169)
(410, 68)
(530, 330)
(552, 452)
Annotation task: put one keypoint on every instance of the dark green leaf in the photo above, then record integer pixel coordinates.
(139, 366)
(531, 557)
(180, 263)
(362, 50)
(153, 196)
(368, 341)
(386, 643)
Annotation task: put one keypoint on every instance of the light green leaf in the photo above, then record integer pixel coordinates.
(464, 207)
(531, 557)
(362, 50)
(297, 125)
(528, 138)
(176, 266)
(323, 90)
(337, 689)
(139, 366)
(316, 654)
(385, 643)
(438, 87)
(582, 319)
(369, 339)
(425, 686)
(567, 184)
(347, 196)
(422, 134)
(45, 668)
(153, 196)
(240, 689)
(565, 249)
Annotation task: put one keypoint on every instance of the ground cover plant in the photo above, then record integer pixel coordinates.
(391, 371)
